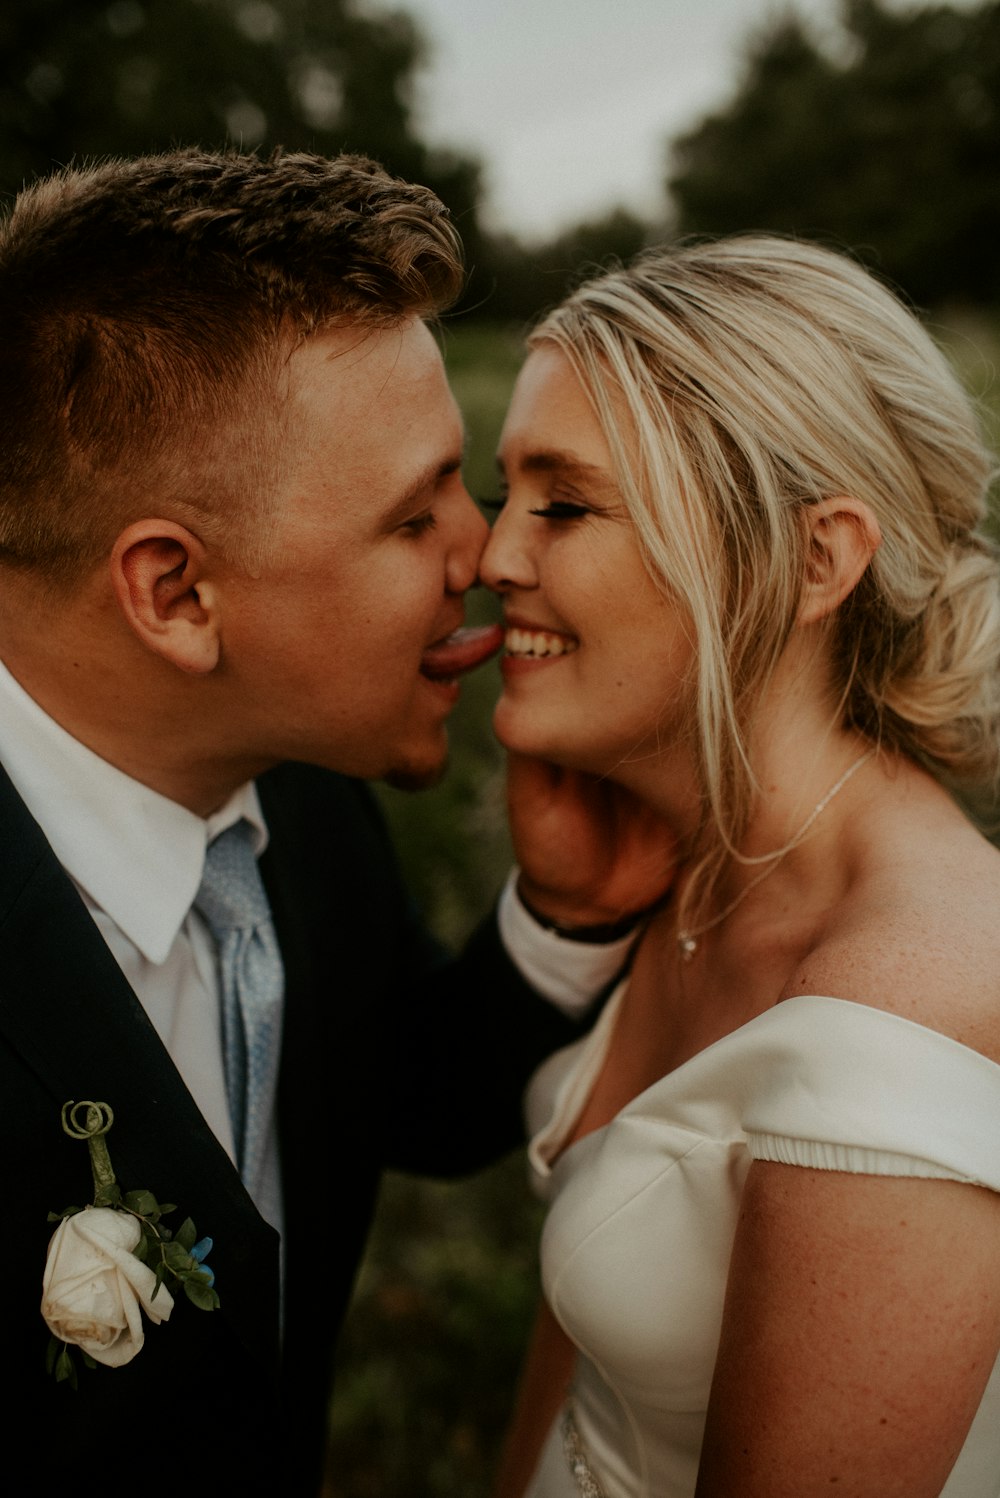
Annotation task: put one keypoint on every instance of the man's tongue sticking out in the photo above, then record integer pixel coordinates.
(461, 651)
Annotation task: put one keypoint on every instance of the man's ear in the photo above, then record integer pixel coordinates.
(842, 537)
(158, 576)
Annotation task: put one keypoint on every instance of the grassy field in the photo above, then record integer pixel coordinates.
(453, 840)
(431, 1350)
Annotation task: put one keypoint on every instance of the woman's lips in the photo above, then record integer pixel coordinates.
(463, 650)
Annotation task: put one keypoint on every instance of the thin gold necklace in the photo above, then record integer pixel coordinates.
(687, 937)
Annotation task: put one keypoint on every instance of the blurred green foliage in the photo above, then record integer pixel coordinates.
(429, 1358)
(91, 78)
(453, 840)
(520, 281)
(971, 339)
(430, 1355)
(883, 138)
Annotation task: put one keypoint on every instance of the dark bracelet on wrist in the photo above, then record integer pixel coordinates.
(600, 935)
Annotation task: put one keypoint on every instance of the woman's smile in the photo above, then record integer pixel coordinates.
(596, 654)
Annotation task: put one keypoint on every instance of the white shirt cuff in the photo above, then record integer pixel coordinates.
(570, 974)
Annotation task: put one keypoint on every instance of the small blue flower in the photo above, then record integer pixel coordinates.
(200, 1253)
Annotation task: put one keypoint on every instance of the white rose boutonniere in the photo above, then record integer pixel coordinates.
(94, 1286)
(107, 1263)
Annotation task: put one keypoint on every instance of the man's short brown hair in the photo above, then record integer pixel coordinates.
(146, 308)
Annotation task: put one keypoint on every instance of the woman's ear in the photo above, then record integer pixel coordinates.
(158, 577)
(842, 537)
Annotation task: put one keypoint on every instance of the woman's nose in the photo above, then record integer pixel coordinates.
(506, 562)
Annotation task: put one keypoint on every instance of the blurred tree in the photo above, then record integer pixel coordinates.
(86, 78)
(886, 140)
(519, 281)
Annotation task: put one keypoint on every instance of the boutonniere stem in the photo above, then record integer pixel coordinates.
(98, 1119)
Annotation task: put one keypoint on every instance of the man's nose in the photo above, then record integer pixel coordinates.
(471, 535)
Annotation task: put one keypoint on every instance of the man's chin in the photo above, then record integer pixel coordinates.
(416, 777)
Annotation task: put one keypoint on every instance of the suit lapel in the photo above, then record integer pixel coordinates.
(68, 1011)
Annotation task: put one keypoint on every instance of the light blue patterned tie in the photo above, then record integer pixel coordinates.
(233, 902)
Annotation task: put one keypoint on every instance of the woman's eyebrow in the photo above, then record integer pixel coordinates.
(566, 465)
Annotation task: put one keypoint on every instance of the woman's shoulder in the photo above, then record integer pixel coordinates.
(918, 935)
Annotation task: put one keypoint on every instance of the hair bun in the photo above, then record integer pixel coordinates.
(942, 702)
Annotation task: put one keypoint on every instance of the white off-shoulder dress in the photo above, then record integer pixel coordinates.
(643, 1212)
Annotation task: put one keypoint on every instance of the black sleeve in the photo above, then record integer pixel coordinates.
(423, 1057)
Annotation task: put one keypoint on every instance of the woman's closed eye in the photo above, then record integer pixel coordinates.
(562, 509)
(555, 509)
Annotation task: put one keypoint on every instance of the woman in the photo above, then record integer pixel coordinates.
(741, 577)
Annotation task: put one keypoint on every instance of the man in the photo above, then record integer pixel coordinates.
(234, 542)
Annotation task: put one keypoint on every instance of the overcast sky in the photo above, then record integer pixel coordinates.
(569, 102)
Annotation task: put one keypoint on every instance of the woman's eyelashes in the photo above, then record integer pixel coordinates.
(553, 509)
(562, 509)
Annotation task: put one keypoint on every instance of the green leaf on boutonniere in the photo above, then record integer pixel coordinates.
(176, 1256)
(142, 1203)
(186, 1235)
(64, 1368)
(199, 1291)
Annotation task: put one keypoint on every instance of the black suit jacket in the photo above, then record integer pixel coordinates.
(392, 1056)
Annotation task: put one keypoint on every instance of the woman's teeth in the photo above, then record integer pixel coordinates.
(537, 643)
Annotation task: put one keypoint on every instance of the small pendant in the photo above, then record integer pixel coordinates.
(687, 944)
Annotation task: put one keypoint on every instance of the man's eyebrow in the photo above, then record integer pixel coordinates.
(423, 484)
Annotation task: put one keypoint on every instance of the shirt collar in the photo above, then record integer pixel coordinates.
(136, 854)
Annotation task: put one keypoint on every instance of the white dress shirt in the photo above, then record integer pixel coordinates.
(137, 859)
(570, 974)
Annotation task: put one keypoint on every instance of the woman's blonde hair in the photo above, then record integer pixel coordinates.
(737, 382)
